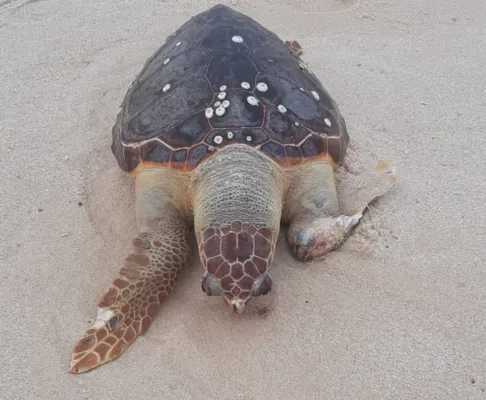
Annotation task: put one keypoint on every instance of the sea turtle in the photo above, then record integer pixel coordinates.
(227, 132)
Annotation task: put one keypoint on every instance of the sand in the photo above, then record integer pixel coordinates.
(399, 312)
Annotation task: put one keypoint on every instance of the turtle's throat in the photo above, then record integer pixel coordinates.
(238, 183)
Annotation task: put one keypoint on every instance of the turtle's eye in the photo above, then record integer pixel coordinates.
(262, 286)
(210, 285)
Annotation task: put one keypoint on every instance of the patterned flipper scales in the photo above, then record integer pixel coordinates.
(128, 308)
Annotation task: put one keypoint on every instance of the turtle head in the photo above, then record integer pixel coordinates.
(237, 212)
(232, 292)
(236, 258)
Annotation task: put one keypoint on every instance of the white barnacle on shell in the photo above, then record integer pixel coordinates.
(252, 100)
(237, 39)
(226, 103)
(302, 89)
(178, 44)
(296, 123)
(248, 139)
(166, 61)
(230, 135)
(315, 94)
(327, 121)
(220, 111)
(218, 139)
(166, 87)
(222, 95)
(217, 104)
(245, 85)
(209, 113)
(223, 88)
(282, 108)
(262, 86)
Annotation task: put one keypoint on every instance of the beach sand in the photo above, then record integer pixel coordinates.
(399, 312)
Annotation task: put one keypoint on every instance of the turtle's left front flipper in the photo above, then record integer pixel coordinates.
(317, 226)
(127, 309)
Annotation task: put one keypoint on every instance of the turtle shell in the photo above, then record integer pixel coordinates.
(220, 79)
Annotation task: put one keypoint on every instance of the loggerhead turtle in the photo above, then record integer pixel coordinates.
(227, 132)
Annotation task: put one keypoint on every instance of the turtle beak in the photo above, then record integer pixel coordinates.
(238, 306)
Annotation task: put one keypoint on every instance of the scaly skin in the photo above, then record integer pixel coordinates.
(150, 272)
(237, 258)
(128, 308)
(237, 221)
(236, 201)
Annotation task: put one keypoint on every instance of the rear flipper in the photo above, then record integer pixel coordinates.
(295, 47)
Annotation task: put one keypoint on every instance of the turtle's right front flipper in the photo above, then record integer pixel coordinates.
(127, 309)
(149, 275)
